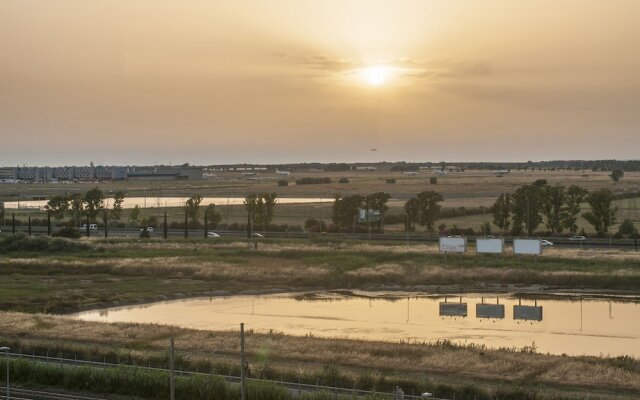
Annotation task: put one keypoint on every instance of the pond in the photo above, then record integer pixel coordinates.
(162, 202)
(554, 325)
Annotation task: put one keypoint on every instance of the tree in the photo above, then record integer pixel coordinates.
(118, 199)
(412, 210)
(93, 203)
(502, 212)
(192, 208)
(76, 206)
(602, 214)
(345, 210)
(429, 209)
(58, 206)
(575, 195)
(135, 213)
(377, 201)
(212, 215)
(251, 205)
(616, 175)
(269, 201)
(553, 207)
(527, 205)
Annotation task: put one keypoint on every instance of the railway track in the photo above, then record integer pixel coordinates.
(17, 393)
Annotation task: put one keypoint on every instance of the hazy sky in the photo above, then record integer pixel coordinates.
(144, 81)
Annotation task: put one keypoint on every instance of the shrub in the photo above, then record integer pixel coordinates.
(283, 182)
(627, 227)
(433, 180)
(21, 242)
(313, 181)
(343, 180)
(391, 180)
(67, 232)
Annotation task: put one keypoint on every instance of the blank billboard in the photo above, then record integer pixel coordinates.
(493, 246)
(489, 310)
(453, 244)
(527, 246)
(453, 309)
(527, 313)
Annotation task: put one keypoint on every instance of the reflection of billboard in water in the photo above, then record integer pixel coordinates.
(453, 309)
(489, 310)
(527, 313)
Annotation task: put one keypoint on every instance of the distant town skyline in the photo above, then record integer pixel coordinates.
(286, 81)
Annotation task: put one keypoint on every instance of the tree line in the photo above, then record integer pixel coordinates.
(557, 207)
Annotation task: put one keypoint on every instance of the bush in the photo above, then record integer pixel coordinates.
(283, 182)
(627, 227)
(21, 242)
(343, 180)
(313, 181)
(433, 180)
(67, 232)
(391, 180)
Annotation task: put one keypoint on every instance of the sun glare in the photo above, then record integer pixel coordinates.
(376, 75)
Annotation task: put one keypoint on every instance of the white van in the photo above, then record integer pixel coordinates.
(92, 227)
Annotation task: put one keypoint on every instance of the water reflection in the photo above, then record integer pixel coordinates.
(570, 326)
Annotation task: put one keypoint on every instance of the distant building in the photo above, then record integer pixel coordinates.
(100, 173)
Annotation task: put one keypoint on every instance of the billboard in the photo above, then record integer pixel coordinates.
(453, 244)
(453, 309)
(489, 310)
(493, 246)
(527, 313)
(527, 246)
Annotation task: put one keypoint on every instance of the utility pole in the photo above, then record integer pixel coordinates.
(29, 225)
(186, 224)
(106, 224)
(165, 228)
(172, 378)
(206, 225)
(13, 223)
(242, 363)
(48, 223)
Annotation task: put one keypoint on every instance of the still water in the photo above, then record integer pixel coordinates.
(160, 202)
(574, 327)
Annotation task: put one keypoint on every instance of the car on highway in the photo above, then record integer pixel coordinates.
(212, 235)
(256, 234)
(577, 237)
(546, 242)
(148, 228)
(92, 227)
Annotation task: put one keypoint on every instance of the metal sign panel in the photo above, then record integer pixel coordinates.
(493, 246)
(453, 309)
(527, 246)
(489, 310)
(453, 244)
(527, 313)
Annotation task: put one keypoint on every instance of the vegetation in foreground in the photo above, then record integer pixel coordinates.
(440, 368)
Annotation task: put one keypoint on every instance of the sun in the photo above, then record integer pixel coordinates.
(376, 75)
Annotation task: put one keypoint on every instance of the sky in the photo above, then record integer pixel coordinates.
(276, 81)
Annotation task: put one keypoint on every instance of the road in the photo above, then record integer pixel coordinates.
(589, 243)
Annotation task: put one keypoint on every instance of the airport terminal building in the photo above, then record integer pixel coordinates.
(100, 173)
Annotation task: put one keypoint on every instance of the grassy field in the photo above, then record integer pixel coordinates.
(469, 189)
(42, 276)
(130, 271)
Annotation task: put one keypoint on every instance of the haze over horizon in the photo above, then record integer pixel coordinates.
(214, 82)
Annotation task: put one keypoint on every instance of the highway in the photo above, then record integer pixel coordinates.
(589, 243)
